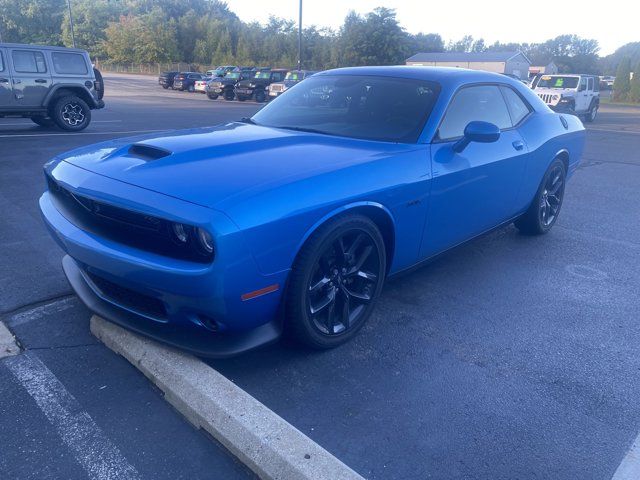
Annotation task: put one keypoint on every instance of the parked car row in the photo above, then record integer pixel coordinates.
(235, 83)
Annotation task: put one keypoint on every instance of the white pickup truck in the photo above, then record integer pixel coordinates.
(579, 94)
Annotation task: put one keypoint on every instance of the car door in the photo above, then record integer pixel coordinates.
(31, 77)
(6, 93)
(582, 96)
(474, 190)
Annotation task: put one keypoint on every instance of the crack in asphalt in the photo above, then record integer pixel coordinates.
(36, 303)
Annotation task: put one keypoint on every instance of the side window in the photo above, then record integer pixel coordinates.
(590, 84)
(481, 103)
(583, 83)
(28, 61)
(517, 107)
(69, 63)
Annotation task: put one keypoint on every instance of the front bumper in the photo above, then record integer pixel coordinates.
(196, 341)
(196, 307)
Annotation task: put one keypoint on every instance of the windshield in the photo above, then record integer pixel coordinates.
(358, 106)
(263, 75)
(293, 76)
(233, 75)
(548, 81)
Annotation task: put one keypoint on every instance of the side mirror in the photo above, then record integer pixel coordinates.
(481, 132)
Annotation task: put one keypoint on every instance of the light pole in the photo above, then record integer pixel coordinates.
(300, 37)
(73, 35)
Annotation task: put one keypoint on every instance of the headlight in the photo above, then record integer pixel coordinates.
(180, 232)
(252, 85)
(205, 240)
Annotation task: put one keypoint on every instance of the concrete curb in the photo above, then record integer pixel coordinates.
(8, 345)
(259, 438)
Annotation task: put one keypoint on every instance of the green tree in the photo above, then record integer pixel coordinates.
(621, 85)
(32, 21)
(634, 87)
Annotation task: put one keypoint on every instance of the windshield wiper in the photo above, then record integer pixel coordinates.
(248, 120)
(304, 129)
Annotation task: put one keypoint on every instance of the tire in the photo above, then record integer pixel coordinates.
(71, 113)
(212, 96)
(99, 83)
(326, 278)
(241, 98)
(260, 96)
(591, 114)
(543, 211)
(166, 87)
(191, 88)
(43, 121)
(229, 95)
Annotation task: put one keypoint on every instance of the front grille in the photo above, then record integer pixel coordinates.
(145, 232)
(276, 88)
(126, 298)
(546, 97)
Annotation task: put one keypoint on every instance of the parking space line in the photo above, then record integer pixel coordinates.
(629, 468)
(263, 441)
(56, 306)
(609, 130)
(78, 133)
(99, 457)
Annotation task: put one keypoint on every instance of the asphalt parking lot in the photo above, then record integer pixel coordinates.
(510, 357)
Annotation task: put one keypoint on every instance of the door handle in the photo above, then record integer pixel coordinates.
(518, 145)
(40, 80)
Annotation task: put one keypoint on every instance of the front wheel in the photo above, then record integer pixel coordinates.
(71, 113)
(545, 207)
(335, 281)
(212, 96)
(260, 96)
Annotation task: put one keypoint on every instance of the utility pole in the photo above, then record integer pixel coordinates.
(73, 35)
(300, 37)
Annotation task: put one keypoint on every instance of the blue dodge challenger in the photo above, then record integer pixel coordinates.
(221, 239)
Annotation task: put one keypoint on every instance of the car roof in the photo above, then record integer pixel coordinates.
(40, 47)
(435, 74)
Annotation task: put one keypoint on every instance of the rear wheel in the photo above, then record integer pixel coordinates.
(71, 113)
(212, 96)
(241, 98)
(336, 279)
(43, 121)
(545, 207)
(591, 114)
(166, 87)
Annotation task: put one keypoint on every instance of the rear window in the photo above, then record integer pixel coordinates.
(69, 63)
(28, 61)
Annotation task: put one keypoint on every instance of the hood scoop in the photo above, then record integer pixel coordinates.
(148, 153)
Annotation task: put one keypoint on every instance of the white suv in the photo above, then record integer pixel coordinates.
(579, 94)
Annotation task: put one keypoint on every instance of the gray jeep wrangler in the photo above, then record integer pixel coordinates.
(49, 85)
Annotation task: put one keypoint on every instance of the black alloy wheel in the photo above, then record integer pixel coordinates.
(545, 207)
(337, 277)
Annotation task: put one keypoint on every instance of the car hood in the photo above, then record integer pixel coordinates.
(254, 81)
(218, 166)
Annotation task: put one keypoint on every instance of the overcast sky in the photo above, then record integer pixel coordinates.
(505, 20)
